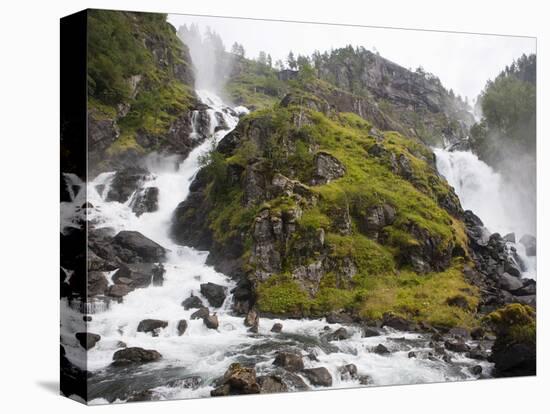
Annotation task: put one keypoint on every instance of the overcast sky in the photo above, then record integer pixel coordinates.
(463, 62)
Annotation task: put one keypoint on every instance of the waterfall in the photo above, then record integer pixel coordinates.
(486, 193)
(204, 352)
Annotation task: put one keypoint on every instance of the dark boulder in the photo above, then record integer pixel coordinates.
(237, 380)
(271, 384)
(192, 302)
(277, 327)
(182, 327)
(125, 182)
(339, 317)
(509, 282)
(369, 332)
(338, 335)
(318, 376)
(134, 247)
(289, 361)
(457, 346)
(397, 322)
(215, 294)
(135, 355)
(376, 218)
(514, 351)
(145, 395)
(139, 275)
(348, 372)
(87, 339)
(381, 350)
(200, 314)
(252, 320)
(476, 370)
(97, 283)
(145, 201)
(152, 326)
(120, 290)
(211, 321)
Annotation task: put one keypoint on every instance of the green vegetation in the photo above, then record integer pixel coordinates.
(509, 113)
(382, 281)
(514, 323)
(255, 84)
(123, 72)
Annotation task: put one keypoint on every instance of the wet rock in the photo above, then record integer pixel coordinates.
(145, 201)
(529, 287)
(152, 326)
(134, 247)
(478, 353)
(318, 376)
(252, 320)
(365, 380)
(237, 380)
(338, 335)
(271, 384)
(211, 321)
(530, 243)
(326, 168)
(348, 372)
(87, 339)
(135, 355)
(119, 291)
(97, 283)
(509, 282)
(293, 382)
(277, 327)
(192, 302)
(369, 332)
(182, 327)
(87, 318)
(397, 322)
(215, 294)
(339, 317)
(381, 350)
(289, 361)
(125, 182)
(139, 275)
(201, 313)
(476, 370)
(456, 346)
(411, 354)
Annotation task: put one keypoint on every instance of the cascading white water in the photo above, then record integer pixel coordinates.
(483, 191)
(207, 353)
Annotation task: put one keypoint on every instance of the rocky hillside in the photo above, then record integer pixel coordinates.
(316, 211)
(413, 102)
(140, 88)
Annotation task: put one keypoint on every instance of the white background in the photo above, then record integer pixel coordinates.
(29, 85)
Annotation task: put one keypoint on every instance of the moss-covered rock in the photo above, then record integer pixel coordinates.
(515, 349)
(361, 238)
(140, 87)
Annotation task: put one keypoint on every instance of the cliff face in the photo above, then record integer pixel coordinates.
(140, 88)
(416, 98)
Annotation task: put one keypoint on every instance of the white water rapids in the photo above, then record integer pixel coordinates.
(484, 191)
(205, 352)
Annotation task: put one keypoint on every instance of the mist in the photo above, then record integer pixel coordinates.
(212, 64)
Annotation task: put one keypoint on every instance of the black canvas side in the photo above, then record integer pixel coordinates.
(73, 177)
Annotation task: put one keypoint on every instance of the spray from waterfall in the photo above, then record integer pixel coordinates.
(211, 62)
